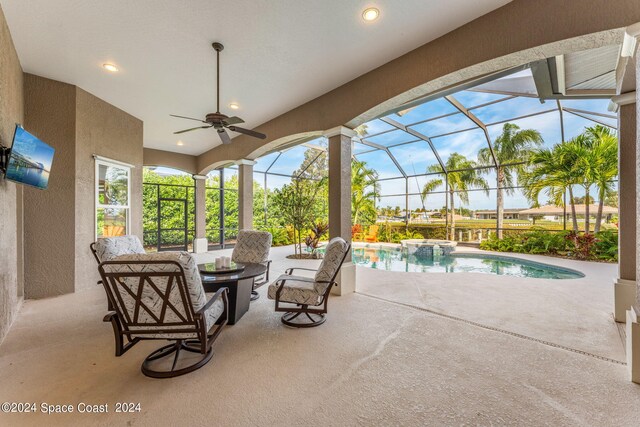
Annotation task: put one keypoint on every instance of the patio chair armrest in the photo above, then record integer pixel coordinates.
(110, 316)
(329, 282)
(290, 270)
(220, 293)
(266, 276)
(121, 346)
(280, 283)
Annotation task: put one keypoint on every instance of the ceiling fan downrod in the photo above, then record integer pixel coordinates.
(218, 47)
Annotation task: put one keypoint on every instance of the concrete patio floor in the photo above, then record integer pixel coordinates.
(380, 358)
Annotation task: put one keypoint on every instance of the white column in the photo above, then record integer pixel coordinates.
(625, 284)
(245, 194)
(630, 49)
(200, 243)
(340, 200)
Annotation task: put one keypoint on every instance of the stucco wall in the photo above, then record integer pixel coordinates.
(11, 112)
(60, 222)
(107, 131)
(49, 215)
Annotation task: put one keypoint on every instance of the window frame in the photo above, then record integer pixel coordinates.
(97, 205)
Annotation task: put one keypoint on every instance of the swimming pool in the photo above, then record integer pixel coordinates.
(394, 259)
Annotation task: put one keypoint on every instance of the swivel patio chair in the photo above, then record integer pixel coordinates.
(159, 296)
(309, 295)
(253, 247)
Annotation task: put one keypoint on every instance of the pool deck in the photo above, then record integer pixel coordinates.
(576, 313)
(500, 351)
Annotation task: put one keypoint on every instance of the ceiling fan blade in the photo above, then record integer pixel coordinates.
(233, 120)
(188, 118)
(247, 132)
(189, 130)
(224, 136)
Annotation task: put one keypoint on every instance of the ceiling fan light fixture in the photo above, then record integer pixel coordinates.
(234, 106)
(370, 14)
(180, 143)
(110, 67)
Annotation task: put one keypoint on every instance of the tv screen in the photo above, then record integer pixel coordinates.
(30, 160)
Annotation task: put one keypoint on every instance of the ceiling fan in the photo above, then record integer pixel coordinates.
(220, 122)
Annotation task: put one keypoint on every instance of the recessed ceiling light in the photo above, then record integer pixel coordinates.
(370, 14)
(180, 143)
(110, 67)
(234, 106)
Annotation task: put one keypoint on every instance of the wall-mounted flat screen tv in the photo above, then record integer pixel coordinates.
(29, 160)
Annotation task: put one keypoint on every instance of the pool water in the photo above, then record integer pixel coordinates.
(393, 259)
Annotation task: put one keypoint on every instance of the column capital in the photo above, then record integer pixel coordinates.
(245, 162)
(339, 130)
(620, 100)
(199, 177)
(630, 41)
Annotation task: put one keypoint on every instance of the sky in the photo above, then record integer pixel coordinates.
(415, 155)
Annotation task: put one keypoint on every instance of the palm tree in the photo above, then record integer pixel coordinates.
(556, 171)
(579, 154)
(588, 160)
(512, 146)
(460, 178)
(550, 173)
(604, 163)
(364, 190)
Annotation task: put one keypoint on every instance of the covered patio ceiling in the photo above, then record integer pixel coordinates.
(278, 55)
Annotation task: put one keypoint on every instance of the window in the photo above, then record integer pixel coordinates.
(112, 198)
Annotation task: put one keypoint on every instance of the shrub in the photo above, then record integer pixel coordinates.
(606, 245)
(583, 244)
(355, 229)
(603, 245)
(281, 236)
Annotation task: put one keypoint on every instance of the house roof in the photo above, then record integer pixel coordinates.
(493, 211)
(559, 210)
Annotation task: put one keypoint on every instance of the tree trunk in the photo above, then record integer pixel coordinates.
(500, 203)
(452, 223)
(600, 208)
(573, 209)
(587, 224)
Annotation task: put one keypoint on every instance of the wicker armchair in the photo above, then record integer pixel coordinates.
(253, 247)
(309, 295)
(160, 296)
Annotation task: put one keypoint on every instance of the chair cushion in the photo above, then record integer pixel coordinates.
(107, 248)
(331, 263)
(252, 247)
(296, 290)
(152, 300)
